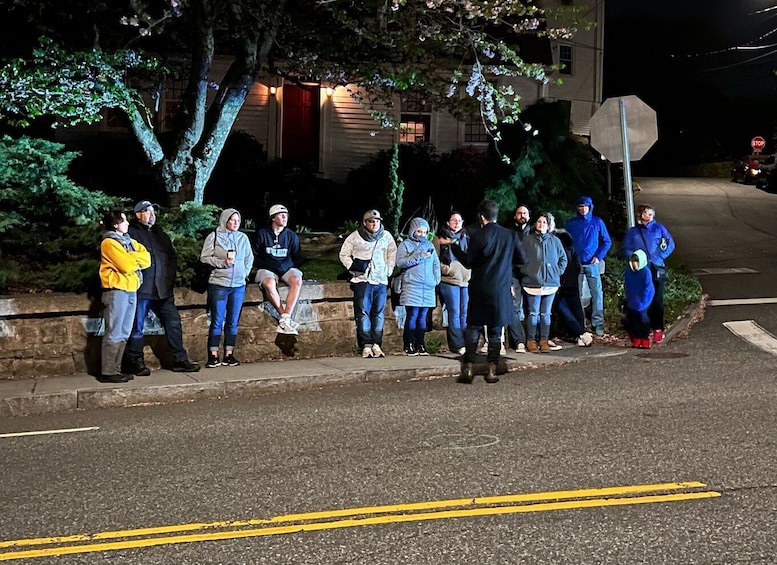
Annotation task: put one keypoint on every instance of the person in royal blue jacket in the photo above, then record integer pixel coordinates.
(657, 243)
(638, 285)
(277, 257)
(592, 242)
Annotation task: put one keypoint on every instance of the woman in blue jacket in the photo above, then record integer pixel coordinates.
(420, 276)
(546, 260)
(657, 243)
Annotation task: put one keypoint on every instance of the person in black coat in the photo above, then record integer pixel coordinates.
(156, 294)
(491, 254)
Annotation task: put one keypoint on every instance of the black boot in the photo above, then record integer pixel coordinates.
(466, 374)
(420, 334)
(136, 366)
(491, 376)
(410, 350)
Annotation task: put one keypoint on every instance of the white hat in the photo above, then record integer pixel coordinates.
(277, 209)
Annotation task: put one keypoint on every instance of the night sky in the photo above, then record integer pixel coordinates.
(674, 54)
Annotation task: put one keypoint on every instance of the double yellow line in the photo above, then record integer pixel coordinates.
(351, 517)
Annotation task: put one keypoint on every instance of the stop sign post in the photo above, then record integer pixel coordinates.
(758, 143)
(622, 130)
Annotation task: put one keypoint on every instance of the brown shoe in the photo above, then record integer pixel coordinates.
(532, 347)
(544, 346)
(491, 376)
(466, 375)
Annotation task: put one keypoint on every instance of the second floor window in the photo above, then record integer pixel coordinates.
(565, 59)
(474, 130)
(415, 120)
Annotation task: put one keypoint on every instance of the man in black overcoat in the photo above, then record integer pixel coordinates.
(491, 254)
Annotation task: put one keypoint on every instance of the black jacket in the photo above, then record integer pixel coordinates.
(159, 278)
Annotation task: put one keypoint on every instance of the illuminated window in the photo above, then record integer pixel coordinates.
(475, 131)
(565, 59)
(415, 120)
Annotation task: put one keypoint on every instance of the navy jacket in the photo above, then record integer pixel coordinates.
(491, 254)
(276, 254)
(159, 278)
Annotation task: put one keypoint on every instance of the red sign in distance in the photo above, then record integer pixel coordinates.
(758, 143)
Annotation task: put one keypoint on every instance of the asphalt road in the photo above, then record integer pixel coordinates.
(695, 417)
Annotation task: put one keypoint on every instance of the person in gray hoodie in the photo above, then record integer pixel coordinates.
(228, 251)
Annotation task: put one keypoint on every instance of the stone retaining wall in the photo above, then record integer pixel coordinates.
(59, 334)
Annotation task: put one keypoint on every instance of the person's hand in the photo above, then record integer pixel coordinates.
(444, 240)
(595, 261)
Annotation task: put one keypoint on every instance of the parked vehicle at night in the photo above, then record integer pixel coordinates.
(752, 169)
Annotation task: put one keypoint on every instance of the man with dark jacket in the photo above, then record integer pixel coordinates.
(156, 294)
(521, 225)
(491, 254)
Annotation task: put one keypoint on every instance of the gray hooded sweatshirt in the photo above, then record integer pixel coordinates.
(214, 253)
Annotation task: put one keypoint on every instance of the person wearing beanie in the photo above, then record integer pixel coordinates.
(278, 258)
(592, 242)
(369, 254)
(228, 251)
(657, 243)
(122, 260)
(156, 294)
(420, 276)
(639, 289)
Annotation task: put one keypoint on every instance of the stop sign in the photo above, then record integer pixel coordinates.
(758, 143)
(641, 124)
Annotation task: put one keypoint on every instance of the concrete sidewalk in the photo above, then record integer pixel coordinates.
(83, 392)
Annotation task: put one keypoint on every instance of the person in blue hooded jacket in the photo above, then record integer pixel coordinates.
(591, 241)
(657, 243)
(639, 289)
(420, 266)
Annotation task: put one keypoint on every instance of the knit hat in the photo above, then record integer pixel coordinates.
(277, 209)
(371, 215)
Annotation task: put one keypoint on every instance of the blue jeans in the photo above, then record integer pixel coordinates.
(515, 328)
(118, 314)
(225, 305)
(168, 314)
(570, 314)
(369, 306)
(539, 315)
(590, 273)
(456, 301)
(415, 325)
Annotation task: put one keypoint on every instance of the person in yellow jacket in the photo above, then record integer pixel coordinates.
(121, 261)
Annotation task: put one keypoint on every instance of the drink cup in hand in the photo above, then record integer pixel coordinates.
(230, 256)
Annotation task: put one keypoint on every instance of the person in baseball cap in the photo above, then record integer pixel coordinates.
(278, 257)
(144, 205)
(371, 215)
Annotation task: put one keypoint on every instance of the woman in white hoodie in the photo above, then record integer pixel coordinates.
(228, 251)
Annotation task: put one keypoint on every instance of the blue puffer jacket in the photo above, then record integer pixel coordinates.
(638, 284)
(546, 260)
(653, 238)
(421, 269)
(589, 234)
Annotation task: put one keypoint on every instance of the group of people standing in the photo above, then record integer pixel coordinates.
(492, 279)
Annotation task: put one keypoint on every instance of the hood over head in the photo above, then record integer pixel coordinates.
(225, 215)
(416, 223)
(640, 257)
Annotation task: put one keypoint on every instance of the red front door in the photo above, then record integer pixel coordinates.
(301, 125)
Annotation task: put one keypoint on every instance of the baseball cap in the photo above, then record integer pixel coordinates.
(277, 209)
(371, 215)
(143, 204)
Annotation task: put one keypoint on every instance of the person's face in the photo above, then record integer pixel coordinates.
(634, 264)
(233, 223)
(372, 225)
(455, 222)
(421, 232)
(541, 225)
(522, 215)
(122, 226)
(147, 217)
(281, 219)
(583, 209)
(647, 215)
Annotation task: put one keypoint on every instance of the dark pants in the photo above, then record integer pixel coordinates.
(637, 323)
(167, 313)
(570, 314)
(656, 309)
(515, 328)
(472, 334)
(369, 306)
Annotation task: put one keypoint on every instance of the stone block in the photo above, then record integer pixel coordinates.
(38, 404)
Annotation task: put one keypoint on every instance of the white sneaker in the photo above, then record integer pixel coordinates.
(521, 348)
(462, 350)
(554, 346)
(286, 318)
(367, 353)
(503, 350)
(483, 350)
(376, 351)
(585, 340)
(284, 327)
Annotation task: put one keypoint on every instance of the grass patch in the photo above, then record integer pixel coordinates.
(322, 269)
